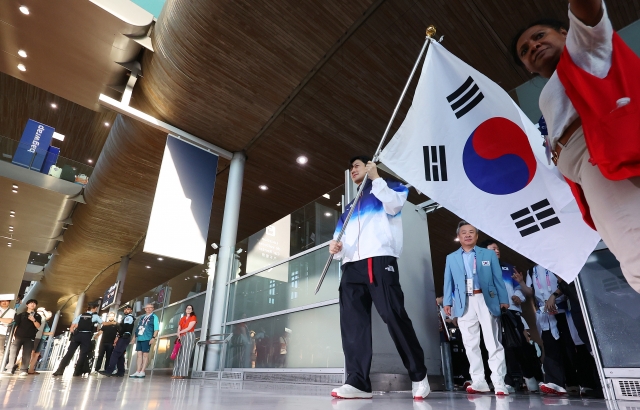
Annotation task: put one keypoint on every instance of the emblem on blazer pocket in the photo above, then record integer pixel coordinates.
(486, 263)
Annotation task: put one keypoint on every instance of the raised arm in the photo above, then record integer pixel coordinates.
(588, 11)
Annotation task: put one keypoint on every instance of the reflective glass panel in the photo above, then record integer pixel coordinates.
(613, 310)
(303, 229)
(306, 339)
(187, 284)
(289, 285)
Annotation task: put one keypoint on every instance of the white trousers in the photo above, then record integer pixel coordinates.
(475, 317)
(614, 205)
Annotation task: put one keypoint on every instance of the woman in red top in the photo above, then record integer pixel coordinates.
(187, 339)
(591, 106)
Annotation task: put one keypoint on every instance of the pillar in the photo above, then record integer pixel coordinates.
(122, 275)
(54, 325)
(80, 306)
(225, 254)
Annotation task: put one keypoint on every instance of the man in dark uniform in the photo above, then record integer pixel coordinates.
(82, 329)
(123, 338)
(108, 331)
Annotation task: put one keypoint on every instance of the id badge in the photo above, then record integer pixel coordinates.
(469, 283)
(140, 330)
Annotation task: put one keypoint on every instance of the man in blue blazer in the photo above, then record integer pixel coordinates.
(473, 286)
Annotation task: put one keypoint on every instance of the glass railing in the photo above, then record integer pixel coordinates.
(306, 339)
(289, 285)
(303, 229)
(9, 146)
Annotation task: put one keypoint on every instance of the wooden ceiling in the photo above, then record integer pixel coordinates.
(277, 80)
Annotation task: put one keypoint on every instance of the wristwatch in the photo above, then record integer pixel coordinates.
(556, 294)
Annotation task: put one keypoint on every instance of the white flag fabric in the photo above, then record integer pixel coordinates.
(468, 146)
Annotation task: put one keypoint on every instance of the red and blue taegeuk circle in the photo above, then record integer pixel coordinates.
(497, 157)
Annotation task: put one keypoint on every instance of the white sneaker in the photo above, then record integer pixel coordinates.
(532, 384)
(420, 390)
(141, 375)
(478, 387)
(552, 388)
(23, 374)
(502, 389)
(133, 376)
(347, 391)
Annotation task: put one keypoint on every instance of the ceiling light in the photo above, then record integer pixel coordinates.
(326, 196)
(90, 161)
(302, 160)
(457, 240)
(22, 53)
(148, 267)
(160, 259)
(106, 124)
(54, 105)
(12, 212)
(9, 244)
(24, 10)
(327, 214)
(15, 186)
(58, 136)
(21, 67)
(15, 191)
(263, 187)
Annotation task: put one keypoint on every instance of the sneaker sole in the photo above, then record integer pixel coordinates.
(499, 393)
(549, 390)
(420, 397)
(472, 391)
(333, 394)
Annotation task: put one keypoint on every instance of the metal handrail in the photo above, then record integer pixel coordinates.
(214, 342)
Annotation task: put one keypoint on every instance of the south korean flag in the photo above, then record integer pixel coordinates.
(469, 147)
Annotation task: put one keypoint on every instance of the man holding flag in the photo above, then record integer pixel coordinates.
(371, 243)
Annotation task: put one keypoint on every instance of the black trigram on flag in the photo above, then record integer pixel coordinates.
(467, 96)
(539, 215)
(435, 163)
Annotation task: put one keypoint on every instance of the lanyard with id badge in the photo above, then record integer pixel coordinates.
(469, 281)
(143, 325)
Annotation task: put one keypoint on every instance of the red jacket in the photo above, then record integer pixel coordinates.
(611, 129)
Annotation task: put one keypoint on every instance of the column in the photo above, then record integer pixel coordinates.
(47, 351)
(225, 254)
(122, 275)
(80, 306)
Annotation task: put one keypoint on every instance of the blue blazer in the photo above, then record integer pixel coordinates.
(490, 277)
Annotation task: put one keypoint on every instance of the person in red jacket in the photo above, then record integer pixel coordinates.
(591, 105)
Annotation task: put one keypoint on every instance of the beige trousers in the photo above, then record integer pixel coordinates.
(614, 205)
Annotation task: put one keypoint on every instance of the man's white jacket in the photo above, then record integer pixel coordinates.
(375, 228)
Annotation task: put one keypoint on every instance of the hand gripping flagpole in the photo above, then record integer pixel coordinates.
(431, 31)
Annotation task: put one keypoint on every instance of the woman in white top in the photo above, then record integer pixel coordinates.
(591, 108)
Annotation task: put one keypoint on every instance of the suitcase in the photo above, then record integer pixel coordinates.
(68, 173)
(55, 171)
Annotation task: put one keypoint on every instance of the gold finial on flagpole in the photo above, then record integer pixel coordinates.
(431, 31)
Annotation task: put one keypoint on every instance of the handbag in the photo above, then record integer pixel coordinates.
(510, 336)
(176, 349)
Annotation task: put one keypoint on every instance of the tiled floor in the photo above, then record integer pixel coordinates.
(160, 392)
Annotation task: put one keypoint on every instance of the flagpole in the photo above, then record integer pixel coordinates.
(431, 31)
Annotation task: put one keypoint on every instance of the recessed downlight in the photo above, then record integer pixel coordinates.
(302, 160)
(106, 124)
(148, 267)
(24, 10)
(15, 191)
(327, 214)
(21, 67)
(263, 187)
(457, 240)
(54, 105)
(160, 259)
(15, 186)
(22, 53)
(90, 161)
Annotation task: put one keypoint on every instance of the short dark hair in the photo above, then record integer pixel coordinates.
(555, 24)
(463, 223)
(32, 301)
(362, 158)
(487, 242)
(93, 305)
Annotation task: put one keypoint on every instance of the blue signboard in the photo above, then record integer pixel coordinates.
(33, 145)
